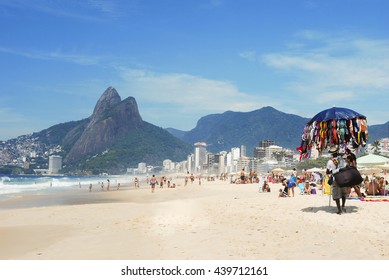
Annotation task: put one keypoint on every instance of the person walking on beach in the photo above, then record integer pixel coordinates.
(153, 182)
(90, 187)
(108, 183)
(136, 183)
(186, 181)
(333, 166)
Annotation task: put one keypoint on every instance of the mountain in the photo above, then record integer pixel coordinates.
(115, 137)
(232, 129)
(378, 131)
(112, 139)
(112, 120)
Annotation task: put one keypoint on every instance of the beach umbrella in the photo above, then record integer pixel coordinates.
(315, 169)
(336, 113)
(335, 126)
(278, 170)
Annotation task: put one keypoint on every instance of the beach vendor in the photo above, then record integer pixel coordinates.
(352, 161)
(333, 166)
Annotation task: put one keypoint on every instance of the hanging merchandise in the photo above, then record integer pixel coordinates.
(334, 126)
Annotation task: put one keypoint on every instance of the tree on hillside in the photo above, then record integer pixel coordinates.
(376, 147)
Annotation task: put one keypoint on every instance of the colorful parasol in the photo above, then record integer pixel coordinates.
(334, 126)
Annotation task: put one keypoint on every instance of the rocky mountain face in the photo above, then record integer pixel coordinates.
(112, 121)
(111, 140)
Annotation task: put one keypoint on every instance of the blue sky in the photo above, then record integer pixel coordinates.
(184, 59)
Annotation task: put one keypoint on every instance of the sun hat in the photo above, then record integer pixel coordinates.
(333, 149)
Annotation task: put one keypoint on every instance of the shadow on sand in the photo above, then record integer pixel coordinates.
(330, 209)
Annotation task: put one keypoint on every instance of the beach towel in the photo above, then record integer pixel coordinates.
(379, 199)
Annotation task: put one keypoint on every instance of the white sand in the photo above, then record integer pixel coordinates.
(217, 220)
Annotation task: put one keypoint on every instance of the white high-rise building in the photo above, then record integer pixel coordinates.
(235, 153)
(242, 151)
(272, 149)
(200, 155)
(55, 164)
(142, 167)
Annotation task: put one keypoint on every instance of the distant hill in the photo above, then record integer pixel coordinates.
(378, 131)
(232, 129)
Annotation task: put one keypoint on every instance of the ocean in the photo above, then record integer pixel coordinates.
(19, 185)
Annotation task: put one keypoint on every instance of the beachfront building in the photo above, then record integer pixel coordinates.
(243, 151)
(190, 163)
(235, 152)
(243, 163)
(55, 164)
(222, 162)
(259, 152)
(200, 156)
(168, 165)
(142, 167)
(271, 150)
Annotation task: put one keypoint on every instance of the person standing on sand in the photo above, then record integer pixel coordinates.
(292, 183)
(108, 183)
(153, 182)
(90, 187)
(242, 176)
(333, 166)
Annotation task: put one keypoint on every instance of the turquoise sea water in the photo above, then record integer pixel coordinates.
(19, 185)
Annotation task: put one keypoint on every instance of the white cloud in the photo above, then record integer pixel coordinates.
(55, 55)
(179, 100)
(318, 70)
(342, 65)
(188, 92)
(249, 55)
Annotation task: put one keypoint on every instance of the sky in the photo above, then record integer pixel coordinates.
(185, 59)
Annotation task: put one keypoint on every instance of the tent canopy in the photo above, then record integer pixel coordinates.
(371, 160)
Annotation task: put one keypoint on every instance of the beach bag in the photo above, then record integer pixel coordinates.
(348, 176)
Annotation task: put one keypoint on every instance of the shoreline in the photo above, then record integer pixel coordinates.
(216, 220)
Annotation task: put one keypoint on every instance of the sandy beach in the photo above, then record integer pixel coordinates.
(216, 220)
